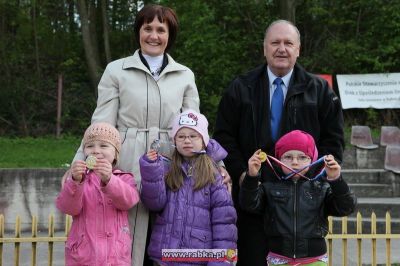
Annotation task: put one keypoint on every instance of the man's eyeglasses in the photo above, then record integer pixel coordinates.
(288, 158)
(182, 138)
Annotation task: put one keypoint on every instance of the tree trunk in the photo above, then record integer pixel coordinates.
(35, 38)
(91, 53)
(92, 18)
(105, 30)
(71, 16)
(287, 10)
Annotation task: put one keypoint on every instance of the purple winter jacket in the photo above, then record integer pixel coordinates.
(188, 219)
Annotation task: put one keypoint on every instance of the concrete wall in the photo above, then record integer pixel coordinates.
(28, 192)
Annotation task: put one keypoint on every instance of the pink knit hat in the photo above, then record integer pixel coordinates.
(297, 140)
(104, 132)
(194, 120)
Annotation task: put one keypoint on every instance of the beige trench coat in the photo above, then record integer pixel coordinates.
(142, 109)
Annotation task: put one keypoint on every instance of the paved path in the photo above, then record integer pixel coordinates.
(41, 255)
(58, 259)
(366, 252)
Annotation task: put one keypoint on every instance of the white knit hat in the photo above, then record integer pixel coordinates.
(194, 120)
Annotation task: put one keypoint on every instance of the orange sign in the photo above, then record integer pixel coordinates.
(327, 78)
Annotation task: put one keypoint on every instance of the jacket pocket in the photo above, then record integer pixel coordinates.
(313, 199)
(78, 250)
(280, 195)
(202, 197)
(123, 245)
(200, 238)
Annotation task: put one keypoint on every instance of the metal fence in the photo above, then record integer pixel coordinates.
(34, 239)
(359, 237)
(344, 236)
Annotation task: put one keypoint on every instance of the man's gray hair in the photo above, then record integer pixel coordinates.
(282, 21)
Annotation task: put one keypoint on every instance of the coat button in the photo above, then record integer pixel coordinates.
(109, 234)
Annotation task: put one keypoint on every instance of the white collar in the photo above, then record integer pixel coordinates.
(285, 79)
(155, 63)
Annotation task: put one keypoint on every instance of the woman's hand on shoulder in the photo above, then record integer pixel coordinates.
(226, 178)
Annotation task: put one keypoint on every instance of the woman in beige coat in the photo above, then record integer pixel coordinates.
(140, 95)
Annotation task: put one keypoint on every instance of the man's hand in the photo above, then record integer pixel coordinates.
(226, 178)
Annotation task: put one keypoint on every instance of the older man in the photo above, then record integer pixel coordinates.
(264, 104)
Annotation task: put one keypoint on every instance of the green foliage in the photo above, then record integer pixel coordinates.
(361, 38)
(222, 40)
(37, 152)
(218, 40)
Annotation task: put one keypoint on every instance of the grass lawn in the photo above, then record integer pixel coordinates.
(37, 152)
(55, 153)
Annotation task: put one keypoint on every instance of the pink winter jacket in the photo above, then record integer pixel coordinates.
(100, 232)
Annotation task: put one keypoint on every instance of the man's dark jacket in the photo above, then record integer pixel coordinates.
(243, 126)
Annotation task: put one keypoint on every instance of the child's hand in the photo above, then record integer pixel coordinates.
(78, 169)
(254, 163)
(152, 155)
(103, 169)
(332, 167)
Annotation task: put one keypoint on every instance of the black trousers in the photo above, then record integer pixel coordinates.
(147, 261)
(252, 241)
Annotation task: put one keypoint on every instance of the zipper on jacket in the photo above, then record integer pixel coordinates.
(295, 219)
(295, 113)
(159, 107)
(292, 107)
(159, 92)
(289, 115)
(147, 102)
(160, 103)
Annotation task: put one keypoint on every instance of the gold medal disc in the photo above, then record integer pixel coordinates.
(263, 156)
(90, 162)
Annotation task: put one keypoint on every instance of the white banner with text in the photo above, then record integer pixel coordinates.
(380, 91)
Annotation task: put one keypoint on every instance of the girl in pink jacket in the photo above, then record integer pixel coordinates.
(98, 197)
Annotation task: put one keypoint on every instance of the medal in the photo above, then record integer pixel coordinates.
(262, 156)
(90, 162)
(155, 145)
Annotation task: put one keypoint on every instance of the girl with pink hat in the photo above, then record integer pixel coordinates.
(296, 199)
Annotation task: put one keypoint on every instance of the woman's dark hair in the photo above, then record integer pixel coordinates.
(164, 14)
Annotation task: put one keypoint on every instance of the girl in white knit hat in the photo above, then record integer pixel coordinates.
(98, 196)
(194, 208)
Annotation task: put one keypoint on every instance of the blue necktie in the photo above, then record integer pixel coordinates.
(276, 108)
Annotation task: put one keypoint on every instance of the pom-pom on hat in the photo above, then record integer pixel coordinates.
(102, 131)
(194, 120)
(296, 140)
